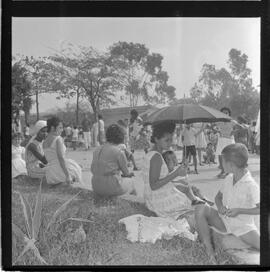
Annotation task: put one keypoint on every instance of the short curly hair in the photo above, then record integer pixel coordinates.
(134, 113)
(114, 134)
(162, 128)
(54, 121)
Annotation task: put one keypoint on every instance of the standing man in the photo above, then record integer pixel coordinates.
(86, 126)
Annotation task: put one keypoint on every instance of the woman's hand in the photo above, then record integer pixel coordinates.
(181, 171)
(222, 210)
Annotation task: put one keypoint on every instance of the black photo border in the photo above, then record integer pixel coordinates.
(132, 9)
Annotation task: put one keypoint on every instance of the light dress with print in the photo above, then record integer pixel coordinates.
(225, 137)
(18, 163)
(244, 194)
(32, 163)
(166, 201)
(53, 170)
(200, 139)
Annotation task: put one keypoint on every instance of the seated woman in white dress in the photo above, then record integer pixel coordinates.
(59, 169)
(18, 162)
(162, 195)
(34, 155)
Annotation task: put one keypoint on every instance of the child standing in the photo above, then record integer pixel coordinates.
(18, 162)
(237, 202)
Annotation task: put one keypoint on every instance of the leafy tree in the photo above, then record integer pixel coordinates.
(219, 87)
(21, 91)
(41, 75)
(140, 73)
(85, 73)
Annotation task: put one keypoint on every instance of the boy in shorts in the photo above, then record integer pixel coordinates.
(237, 202)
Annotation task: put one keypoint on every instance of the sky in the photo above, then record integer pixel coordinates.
(185, 43)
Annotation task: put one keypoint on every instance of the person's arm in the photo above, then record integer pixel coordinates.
(61, 159)
(122, 161)
(154, 173)
(218, 200)
(237, 211)
(33, 148)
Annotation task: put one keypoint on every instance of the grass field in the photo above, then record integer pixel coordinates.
(105, 242)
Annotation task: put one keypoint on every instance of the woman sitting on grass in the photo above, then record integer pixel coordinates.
(109, 166)
(237, 202)
(162, 196)
(34, 154)
(59, 168)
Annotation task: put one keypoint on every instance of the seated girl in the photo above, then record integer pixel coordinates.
(161, 194)
(34, 155)
(171, 161)
(59, 169)
(237, 202)
(18, 162)
(109, 166)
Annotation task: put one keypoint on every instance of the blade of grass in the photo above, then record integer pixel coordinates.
(27, 214)
(78, 219)
(60, 209)
(37, 214)
(37, 254)
(18, 231)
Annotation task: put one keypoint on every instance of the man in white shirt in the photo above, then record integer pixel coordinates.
(188, 138)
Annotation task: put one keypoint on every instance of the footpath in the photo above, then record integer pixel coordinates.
(206, 181)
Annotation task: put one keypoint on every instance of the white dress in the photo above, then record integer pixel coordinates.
(167, 201)
(200, 140)
(53, 170)
(18, 163)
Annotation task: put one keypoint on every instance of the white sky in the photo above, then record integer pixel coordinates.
(185, 43)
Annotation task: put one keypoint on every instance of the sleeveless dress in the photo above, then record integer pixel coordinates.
(32, 163)
(53, 170)
(106, 179)
(18, 164)
(166, 201)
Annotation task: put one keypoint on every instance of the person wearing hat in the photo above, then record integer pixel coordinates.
(34, 155)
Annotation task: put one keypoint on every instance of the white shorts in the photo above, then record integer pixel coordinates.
(223, 142)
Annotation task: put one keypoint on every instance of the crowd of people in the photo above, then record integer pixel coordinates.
(166, 190)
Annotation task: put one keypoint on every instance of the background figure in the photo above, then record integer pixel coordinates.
(86, 126)
(200, 140)
(134, 129)
(240, 131)
(252, 137)
(18, 152)
(75, 137)
(210, 154)
(124, 126)
(101, 130)
(225, 138)
(94, 134)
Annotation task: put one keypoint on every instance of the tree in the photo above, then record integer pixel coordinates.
(21, 91)
(41, 74)
(140, 73)
(220, 87)
(86, 73)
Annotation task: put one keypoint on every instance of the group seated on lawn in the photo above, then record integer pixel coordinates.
(166, 191)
